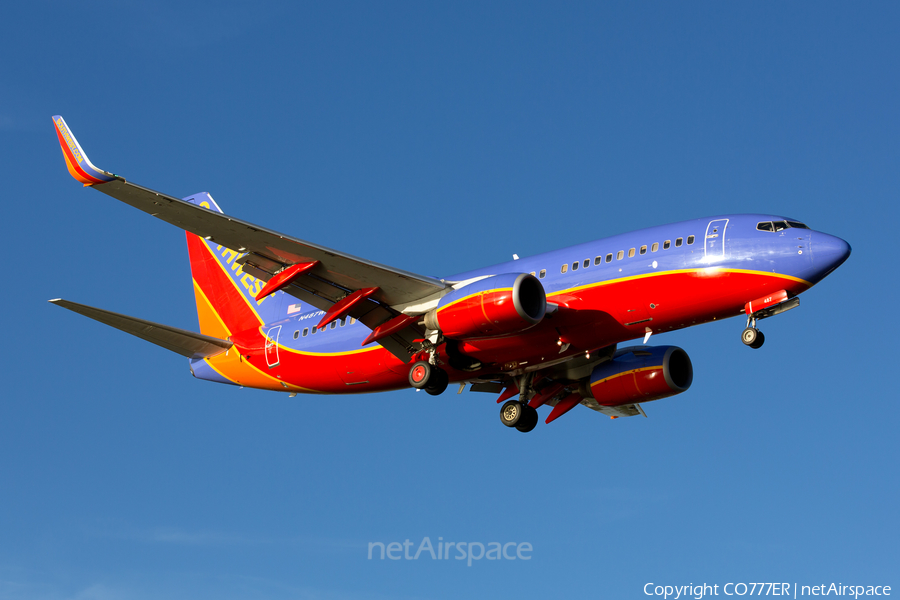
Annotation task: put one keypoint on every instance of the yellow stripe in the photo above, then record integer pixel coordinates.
(342, 353)
(713, 271)
(277, 380)
(632, 372)
(235, 365)
(509, 289)
(233, 282)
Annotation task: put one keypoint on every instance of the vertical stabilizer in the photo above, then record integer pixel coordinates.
(225, 294)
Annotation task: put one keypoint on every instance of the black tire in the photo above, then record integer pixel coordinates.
(420, 373)
(438, 382)
(511, 413)
(749, 335)
(529, 419)
(760, 340)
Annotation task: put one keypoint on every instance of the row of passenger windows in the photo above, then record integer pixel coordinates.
(334, 324)
(621, 254)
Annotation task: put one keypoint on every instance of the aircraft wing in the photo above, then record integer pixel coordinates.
(332, 277)
(347, 271)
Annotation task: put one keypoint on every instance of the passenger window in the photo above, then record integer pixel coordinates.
(587, 263)
(333, 324)
(609, 257)
(620, 255)
(532, 273)
(690, 240)
(352, 320)
(543, 273)
(344, 320)
(296, 334)
(678, 242)
(631, 253)
(667, 244)
(643, 249)
(313, 331)
(564, 268)
(598, 260)
(654, 247)
(575, 266)
(305, 331)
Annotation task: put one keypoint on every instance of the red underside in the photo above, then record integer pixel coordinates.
(595, 318)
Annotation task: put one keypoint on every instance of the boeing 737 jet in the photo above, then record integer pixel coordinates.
(280, 313)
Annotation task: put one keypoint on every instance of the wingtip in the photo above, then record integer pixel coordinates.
(80, 167)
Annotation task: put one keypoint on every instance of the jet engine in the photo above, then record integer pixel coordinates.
(493, 306)
(640, 374)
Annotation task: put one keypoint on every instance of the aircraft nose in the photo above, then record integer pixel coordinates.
(828, 252)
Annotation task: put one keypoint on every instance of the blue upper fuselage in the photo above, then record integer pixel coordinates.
(729, 241)
(760, 243)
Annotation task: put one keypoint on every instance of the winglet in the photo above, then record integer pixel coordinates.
(76, 160)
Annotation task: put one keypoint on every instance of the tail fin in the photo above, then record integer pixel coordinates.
(224, 293)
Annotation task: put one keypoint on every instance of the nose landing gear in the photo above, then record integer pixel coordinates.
(763, 308)
(751, 336)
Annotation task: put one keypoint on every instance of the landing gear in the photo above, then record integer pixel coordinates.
(438, 382)
(419, 374)
(753, 337)
(518, 415)
(425, 376)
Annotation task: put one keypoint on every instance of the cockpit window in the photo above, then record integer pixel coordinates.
(780, 225)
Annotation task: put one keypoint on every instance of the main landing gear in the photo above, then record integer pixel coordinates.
(425, 376)
(752, 336)
(519, 415)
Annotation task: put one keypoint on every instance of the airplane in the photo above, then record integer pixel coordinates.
(280, 313)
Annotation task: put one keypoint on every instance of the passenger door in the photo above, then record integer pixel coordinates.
(714, 248)
(272, 346)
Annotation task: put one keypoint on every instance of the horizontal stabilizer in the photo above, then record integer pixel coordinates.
(185, 343)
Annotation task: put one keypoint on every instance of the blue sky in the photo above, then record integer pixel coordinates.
(439, 139)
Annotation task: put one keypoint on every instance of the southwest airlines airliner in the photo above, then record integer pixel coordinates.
(283, 314)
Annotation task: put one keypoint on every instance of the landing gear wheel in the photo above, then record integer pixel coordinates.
(528, 420)
(511, 413)
(420, 374)
(438, 382)
(760, 340)
(750, 335)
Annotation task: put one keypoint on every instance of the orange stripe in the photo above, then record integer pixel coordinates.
(210, 321)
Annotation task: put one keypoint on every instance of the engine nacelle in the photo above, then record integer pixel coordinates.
(640, 374)
(493, 306)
